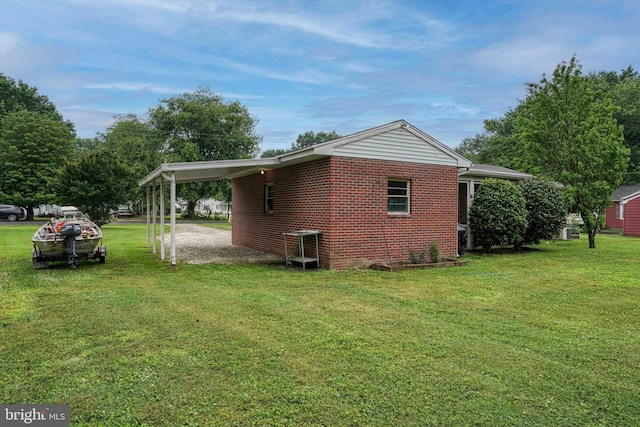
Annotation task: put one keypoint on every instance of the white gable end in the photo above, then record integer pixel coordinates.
(396, 145)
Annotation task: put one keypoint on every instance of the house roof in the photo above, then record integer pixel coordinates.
(397, 141)
(493, 171)
(626, 192)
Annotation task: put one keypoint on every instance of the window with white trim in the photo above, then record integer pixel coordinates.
(268, 198)
(398, 196)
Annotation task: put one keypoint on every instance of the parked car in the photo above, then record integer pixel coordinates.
(12, 213)
(124, 211)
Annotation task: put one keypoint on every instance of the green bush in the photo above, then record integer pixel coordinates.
(416, 258)
(498, 215)
(546, 211)
(434, 252)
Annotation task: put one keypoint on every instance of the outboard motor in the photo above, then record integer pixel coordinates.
(462, 239)
(70, 232)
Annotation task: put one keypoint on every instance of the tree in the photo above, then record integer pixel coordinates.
(200, 126)
(96, 182)
(138, 146)
(304, 140)
(546, 212)
(310, 138)
(569, 131)
(273, 152)
(82, 145)
(498, 144)
(498, 215)
(626, 95)
(32, 148)
(624, 90)
(19, 96)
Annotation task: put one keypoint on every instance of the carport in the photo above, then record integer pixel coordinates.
(171, 174)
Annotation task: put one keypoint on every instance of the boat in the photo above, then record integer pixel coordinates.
(71, 237)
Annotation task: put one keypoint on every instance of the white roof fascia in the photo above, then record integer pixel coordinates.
(216, 165)
(630, 197)
(495, 174)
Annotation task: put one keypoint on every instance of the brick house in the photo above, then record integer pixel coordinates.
(374, 196)
(625, 211)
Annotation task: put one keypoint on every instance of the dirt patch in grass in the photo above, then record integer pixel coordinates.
(196, 244)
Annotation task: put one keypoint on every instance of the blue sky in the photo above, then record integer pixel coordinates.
(343, 65)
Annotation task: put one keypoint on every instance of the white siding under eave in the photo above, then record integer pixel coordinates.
(396, 145)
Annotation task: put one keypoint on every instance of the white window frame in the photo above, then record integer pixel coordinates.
(268, 197)
(397, 189)
(620, 211)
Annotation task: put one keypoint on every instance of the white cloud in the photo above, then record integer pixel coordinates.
(311, 77)
(170, 6)
(133, 86)
(9, 43)
(324, 29)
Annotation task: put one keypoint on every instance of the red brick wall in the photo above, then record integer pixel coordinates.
(364, 232)
(300, 201)
(346, 198)
(611, 221)
(632, 218)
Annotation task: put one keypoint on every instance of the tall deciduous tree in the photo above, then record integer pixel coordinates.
(627, 96)
(624, 89)
(498, 144)
(32, 148)
(96, 181)
(570, 132)
(138, 146)
(200, 126)
(18, 96)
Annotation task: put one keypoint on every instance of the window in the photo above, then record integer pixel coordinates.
(268, 198)
(398, 196)
(619, 211)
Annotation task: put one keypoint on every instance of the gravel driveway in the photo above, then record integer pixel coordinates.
(197, 244)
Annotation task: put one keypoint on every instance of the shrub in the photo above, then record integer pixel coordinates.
(546, 211)
(498, 215)
(434, 252)
(416, 258)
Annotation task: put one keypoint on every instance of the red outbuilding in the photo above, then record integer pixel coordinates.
(625, 212)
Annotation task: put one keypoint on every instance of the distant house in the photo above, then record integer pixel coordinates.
(373, 196)
(625, 212)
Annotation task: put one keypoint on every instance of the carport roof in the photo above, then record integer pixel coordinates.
(209, 171)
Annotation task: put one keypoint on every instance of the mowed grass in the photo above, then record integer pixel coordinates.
(547, 338)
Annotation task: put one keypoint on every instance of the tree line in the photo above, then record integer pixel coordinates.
(42, 161)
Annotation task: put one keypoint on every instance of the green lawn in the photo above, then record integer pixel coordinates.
(544, 338)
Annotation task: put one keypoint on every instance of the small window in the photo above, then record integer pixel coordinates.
(398, 196)
(268, 198)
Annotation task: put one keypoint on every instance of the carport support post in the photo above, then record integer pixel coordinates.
(148, 219)
(155, 210)
(172, 209)
(162, 218)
